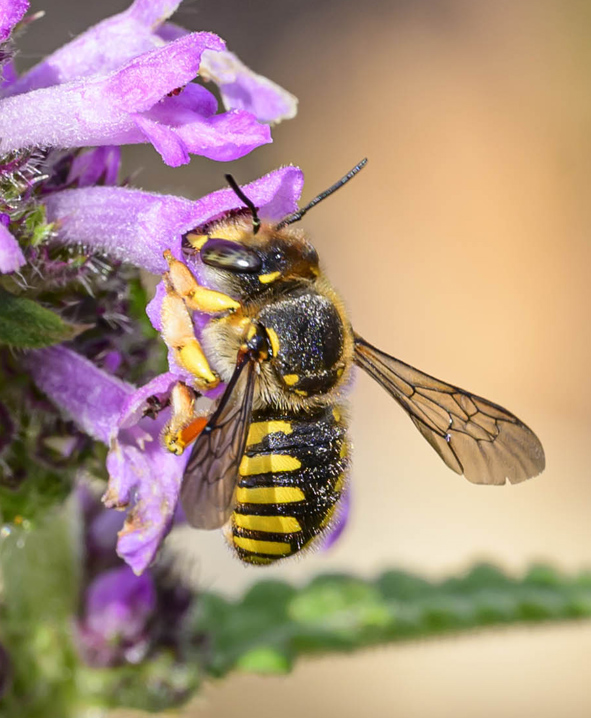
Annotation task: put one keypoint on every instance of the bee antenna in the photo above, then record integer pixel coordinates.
(296, 216)
(256, 222)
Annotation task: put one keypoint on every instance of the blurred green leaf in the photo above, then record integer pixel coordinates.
(25, 324)
(275, 622)
(263, 632)
(264, 660)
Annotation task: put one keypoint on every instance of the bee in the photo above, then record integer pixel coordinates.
(270, 464)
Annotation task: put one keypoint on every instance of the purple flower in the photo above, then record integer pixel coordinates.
(123, 618)
(144, 476)
(102, 48)
(99, 165)
(127, 80)
(240, 87)
(11, 12)
(137, 227)
(106, 46)
(118, 603)
(131, 105)
(118, 606)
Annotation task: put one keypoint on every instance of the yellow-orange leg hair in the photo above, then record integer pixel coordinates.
(183, 294)
(196, 297)
(184, 426)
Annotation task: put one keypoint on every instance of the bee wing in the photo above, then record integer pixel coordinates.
(473, 436)
(212, 472)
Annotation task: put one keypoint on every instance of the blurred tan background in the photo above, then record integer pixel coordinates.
(463, 248)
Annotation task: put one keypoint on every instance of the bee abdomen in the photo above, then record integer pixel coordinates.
(292, 475)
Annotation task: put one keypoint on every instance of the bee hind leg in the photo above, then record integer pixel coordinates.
(184, 425)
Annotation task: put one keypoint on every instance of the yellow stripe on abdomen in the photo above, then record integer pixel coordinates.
(258, 560)
(269, 495)
(259, 429)
(268, 464)
(268, 524)
(340, 483)
(272, 548)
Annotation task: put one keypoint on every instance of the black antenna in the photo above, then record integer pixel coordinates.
(256, 222)
(296, 216)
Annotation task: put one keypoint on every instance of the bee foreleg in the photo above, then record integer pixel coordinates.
(178, 332)
(196, 297)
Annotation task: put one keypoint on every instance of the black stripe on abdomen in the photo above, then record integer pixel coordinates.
(291, 477)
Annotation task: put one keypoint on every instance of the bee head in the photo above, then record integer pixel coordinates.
(254, 261)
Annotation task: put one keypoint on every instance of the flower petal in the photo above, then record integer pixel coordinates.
(111, 43)
(240, 87)
(104, 110)
(243, 89)
(224, 137)
(150, 13)
(100, 164)
(11, 12)
(119, 604)
(102, 48)
(154, 307)
(8, 76)
(146, 79)
(92, 398)
(11, 255)
(143, 472)
(128, 440)
(137, 226)
(132, 411)
(118, 609)
(158, 476)
(165, 140)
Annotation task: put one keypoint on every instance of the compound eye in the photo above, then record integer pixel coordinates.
(232, 256)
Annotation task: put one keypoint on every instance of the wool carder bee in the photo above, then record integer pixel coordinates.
(270, 463)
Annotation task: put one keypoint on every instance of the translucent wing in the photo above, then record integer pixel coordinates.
(473, 436)
(212, 472)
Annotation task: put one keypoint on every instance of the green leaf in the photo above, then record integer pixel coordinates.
(264, 660)
(25, 324)
(276, 623)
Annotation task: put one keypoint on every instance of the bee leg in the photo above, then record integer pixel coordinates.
(183, 427)
(195, 296)
(178, 332)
